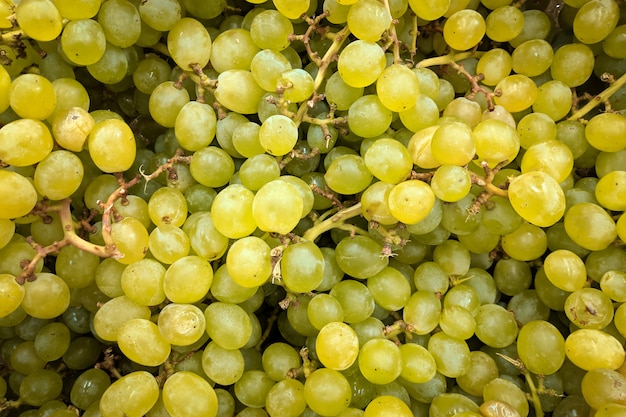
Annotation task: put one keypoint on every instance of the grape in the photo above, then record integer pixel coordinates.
(25, 142)
(327, 392)
(517, 92)
(141, 341)
(603, 386)
(397, 87)
(337, 346)
(562, 69)
(40, 387)
(89, 387)
(541, 347)
(368, 117)
(361, 63)
(592, 349)
(504, 24)
(120, 21)
(302, 267)
(595, 20)
(387, 406)
(348, 174)
(133, 395)
(39, 19)
(277, 207)
(590, 226)
(501, 389)
(224, 366)
(83, 41)
(464, 29)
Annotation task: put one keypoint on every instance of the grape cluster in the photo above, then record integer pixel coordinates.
(284, 208)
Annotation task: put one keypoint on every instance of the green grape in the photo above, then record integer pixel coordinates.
(338, 13)
(238, 91)
(603, 386)
(464, 29)
(481, 371)
(563, 68)
(199, 198)
(206, 241)
(40, 387)
(517, 92)
(232, 212)
(131, 239)
(132, 395)
(141, 341)
(495, 326)
(32, 96)
(360, 257)
(607, 162)
(25, 142)
(565, 270)
(388, 160)
(397, 87)
(120, 21)
(340, 93)
(11, 294)
(361, 63)
(324, 309)
(46, 297)
(554, 100)
(418, 365)
(112, 68)
(495, 64)
(292, 9)
(613, 44)
(429, 10)
(356, 300)
(39, 19)
(454, 135)
(368, 19)
(468, 111)
(161, 15)
(278, 135)
(374, 203)
(187, 124)
(76, 267)
(590, 226)
(58, 175)
(536, 128)
(302, 267)
(592, 349)
(501, 217)
(422, 311)
(423, 113)
(452, 355)
(83, 41)
(457, 322)
(595, 20)
(532, 57)
(252, 388)
(452, 257)
(81, 9)
(368, 117)
(327, 392)
(150, 72)
(71, 128)
(296, 85)
(279, 360)
(537, 25)
(188, 279)
(419, 148)
(611, 189)
(512, 276)
(504, 23)
(430, 276)
(380, 361)
(248, 261)
(495, 142)
(537, 197)
(526, 243)
(298, 316)
(225, 289)
(89, 387)
(337, 346)
(224, 366)
(541, 347)
(212, 167)
(166, 101)
(286, 398)
(390, 289)
(168, 243)
(500, 389)
(270, 30)
(228, 325)
(23, 195)
(112, 145)
(268, 64)
(258, 170)
(551, 156)
(277, 207)
(23, 358)
(611, 410)
(189, 43)
(142, 282)
(614, 284)
(233, 49)
(348, 174)
(411, 201)
(589, 308)
(604, 132)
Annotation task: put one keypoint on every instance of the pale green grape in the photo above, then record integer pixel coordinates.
(279, 360)
(411, 201)
(348, 174)
(590, 226)
(367, 20)
(464, 29)
(368, 117)
(541, 347)
(605, 132)
(572, 64)
(142, 282)
(39, 19)
(423, 311)
(206, 241)
(25, 142)
(211, 166)
(451, 355)
(504, 23)
(270, 30)
(327, 392)
(361, 63)
(553, 99)
(565, 270)
(71, 127)
(495, 64)
(248, 261)
(537, 25)
(32, 96)
(224, 366)
(161, 15)
(360, 257)
(11, 294)
(453, 135)
(286, 399)
(21, 192)
(188, 279)
(89, 387)
(595, 20)
(83, 41)
(390, 289)
(195, 125)
(495, 326)
(614, 284)
(268, 65)
(589, 308)
(482, 370)
(58, 175)
(233, 49)
(526, 243)
(374, 203)
(232, 212)
(388, 160)
(429, 10)
(112, 145)
(532, 57)
(302, 267)
(81, 9)
(355, 299)
(120, 21)
(506, 391)
(469, 111)
(277, 207)
(458, 322)
(397, 86)
(495, 142)
(278, 135)
(537, 197)
(40, 387)
(141, 341)
(46, 297)
(603, 386)
(225, 289)
(535, 128)
(168, 243)
(422, 114)
(132, 395)
(188, 394)
(296, 85)
(613, 45)
(551, 156)
(238, 91)
(228, 325)
(517, 92)
(337, 346)
(292, 9)
(188, 42)
(592, 349)
(258, 170)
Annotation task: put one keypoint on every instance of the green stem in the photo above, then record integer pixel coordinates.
(534, 396)
(600, 98)
(447, 59)
(332, 222)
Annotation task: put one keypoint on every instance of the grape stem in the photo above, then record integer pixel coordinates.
(534, 395)
(393, 35)
(335, 221)
(600, 98)
(448, 59)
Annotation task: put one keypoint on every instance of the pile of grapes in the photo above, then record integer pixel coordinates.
(378, 208)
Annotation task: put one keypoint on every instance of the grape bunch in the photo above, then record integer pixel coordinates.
(285, 208)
